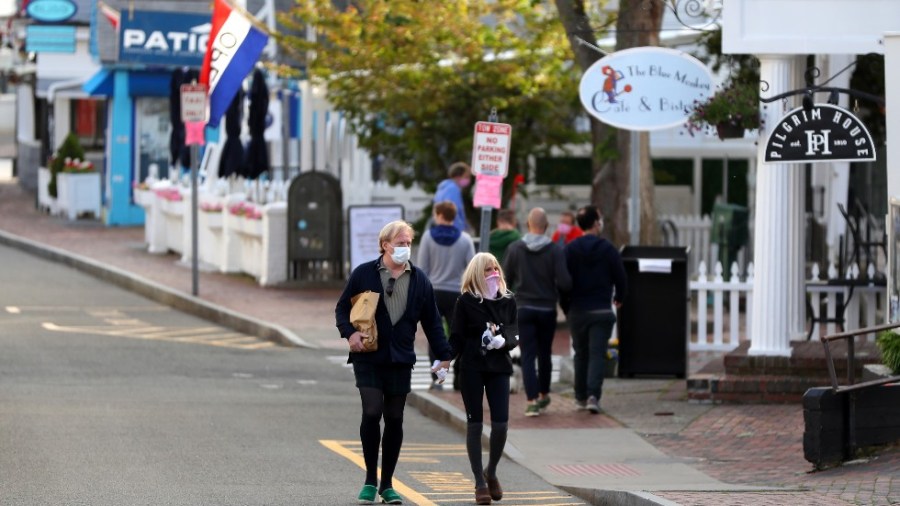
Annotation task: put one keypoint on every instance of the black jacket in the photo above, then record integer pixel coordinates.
(596, 268)
(536, 275)
(395, 342)
(469, 318)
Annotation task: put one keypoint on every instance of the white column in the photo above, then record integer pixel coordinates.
(778, 312)
(835, 176)
(892, 99)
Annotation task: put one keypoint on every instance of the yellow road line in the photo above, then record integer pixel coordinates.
(404, 490)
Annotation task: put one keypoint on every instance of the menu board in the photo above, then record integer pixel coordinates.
(365, 224)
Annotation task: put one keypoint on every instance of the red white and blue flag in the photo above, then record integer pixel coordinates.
(233, 49)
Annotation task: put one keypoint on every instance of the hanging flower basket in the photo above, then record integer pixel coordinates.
(729, 130)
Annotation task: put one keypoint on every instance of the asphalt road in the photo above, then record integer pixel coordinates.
(107, 398)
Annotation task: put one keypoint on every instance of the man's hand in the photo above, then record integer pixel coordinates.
(440, 369)
(355, 341)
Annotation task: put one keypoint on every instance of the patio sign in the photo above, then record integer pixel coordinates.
(644, 88)
(164, 38)
(824, 133)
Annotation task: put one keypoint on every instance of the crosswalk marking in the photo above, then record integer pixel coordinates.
(195, 335)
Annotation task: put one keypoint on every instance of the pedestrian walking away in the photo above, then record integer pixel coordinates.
(505, 234)
(444, 253)
(536, 271)
(383, 376)
(459, 177)
(598, 281)
(482, 333)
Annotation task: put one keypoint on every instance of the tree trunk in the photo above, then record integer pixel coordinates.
(638, 24)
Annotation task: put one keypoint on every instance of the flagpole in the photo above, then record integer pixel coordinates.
(250, 17)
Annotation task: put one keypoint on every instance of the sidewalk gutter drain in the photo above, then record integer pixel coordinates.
(620, 470)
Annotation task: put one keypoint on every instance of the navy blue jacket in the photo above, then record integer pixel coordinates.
(395, 342)
(596, 267)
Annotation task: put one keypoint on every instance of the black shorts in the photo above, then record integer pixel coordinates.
(390, 379)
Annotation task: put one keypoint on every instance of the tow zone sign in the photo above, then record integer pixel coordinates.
(490, 149)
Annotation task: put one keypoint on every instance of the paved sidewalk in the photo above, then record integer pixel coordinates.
(649, 447)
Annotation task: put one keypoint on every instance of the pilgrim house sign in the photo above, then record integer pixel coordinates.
(823, 133)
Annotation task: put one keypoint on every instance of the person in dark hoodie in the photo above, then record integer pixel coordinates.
(444, 253)
(598, 281)
(536, 271)
(482, 333)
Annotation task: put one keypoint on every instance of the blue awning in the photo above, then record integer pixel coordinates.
(141, 83)
(100, 84)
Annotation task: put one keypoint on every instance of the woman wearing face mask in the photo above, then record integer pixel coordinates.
(482, 333)
(383, 377)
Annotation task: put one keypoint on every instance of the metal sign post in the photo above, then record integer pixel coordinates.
(193, 114)
(490, 162)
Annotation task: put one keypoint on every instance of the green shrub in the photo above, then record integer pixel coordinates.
(71, 149)
(889, 344)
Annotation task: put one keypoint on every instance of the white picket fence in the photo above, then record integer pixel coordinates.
(720, 309)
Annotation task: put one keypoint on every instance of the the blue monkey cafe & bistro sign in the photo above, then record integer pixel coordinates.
(645, 88)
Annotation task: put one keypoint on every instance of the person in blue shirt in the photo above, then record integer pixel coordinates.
(459, 177)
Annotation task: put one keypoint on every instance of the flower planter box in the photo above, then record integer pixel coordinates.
(78, 193)
(210, 239)
(251, 227)
(173, 217)
(46, 203)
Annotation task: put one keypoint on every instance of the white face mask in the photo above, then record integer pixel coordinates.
(400, 255)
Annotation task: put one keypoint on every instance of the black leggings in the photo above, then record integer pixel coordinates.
(474, 385)
(376, 405)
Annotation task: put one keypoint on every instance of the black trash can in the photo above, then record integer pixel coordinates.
(653, 320)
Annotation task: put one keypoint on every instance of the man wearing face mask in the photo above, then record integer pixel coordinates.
(459, 177)
(383, 377)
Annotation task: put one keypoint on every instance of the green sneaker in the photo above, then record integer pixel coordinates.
(543, 403)
(367, 494)
(532, 409)
(390, 496)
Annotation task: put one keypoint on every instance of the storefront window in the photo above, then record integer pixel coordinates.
(89, 123)
(153, 129)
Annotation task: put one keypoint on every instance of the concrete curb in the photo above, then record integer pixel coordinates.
(158, 293)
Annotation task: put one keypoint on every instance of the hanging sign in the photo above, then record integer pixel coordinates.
(193, 103)
(644, 88)
(490, 148)
(825, 133)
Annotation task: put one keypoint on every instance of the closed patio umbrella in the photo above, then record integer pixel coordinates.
(233, 150)
(257, 153)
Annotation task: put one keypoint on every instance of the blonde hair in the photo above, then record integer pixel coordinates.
(392, 230)
(473, 278)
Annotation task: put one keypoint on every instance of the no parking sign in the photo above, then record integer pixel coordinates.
(490, 148)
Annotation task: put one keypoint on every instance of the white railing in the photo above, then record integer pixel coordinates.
(711, 294)
(720, 309)
(693, 231)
